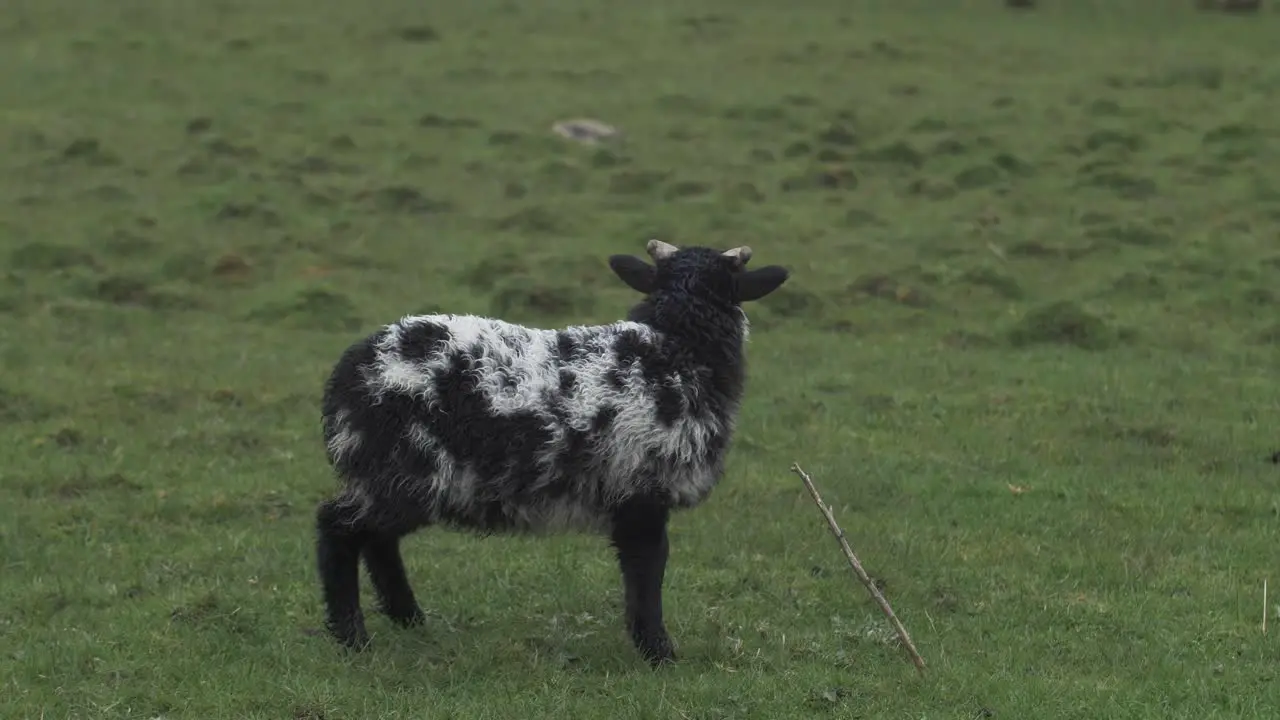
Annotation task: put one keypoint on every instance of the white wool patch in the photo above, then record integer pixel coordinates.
(342, 439)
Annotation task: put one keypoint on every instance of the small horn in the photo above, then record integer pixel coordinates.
(741, 254)
(659, 250)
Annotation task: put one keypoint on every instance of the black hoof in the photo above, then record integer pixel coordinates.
(658, 651)
(410, 618)
(350, 633)
(659, 661)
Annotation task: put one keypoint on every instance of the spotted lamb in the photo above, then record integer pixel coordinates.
(477, 423)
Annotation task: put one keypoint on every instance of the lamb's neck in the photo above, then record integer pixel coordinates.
(710, 331)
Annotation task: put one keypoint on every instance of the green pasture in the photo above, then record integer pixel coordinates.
(1030, 349)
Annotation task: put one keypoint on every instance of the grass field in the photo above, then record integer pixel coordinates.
(1029, 348)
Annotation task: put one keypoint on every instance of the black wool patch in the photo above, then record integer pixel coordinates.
(421, 340)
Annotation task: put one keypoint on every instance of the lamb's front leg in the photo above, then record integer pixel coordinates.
(640, 538)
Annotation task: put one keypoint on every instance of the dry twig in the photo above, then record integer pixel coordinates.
(857, 569)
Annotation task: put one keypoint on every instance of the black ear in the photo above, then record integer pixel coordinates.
(636, 273)
(755, 284)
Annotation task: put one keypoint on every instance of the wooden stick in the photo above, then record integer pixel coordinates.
(1264, 606)
(857, 569)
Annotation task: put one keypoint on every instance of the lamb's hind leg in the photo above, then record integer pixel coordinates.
(386, 569)
(340, 536)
